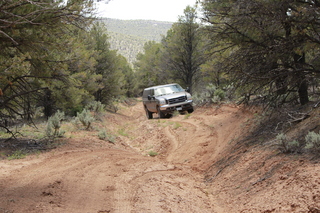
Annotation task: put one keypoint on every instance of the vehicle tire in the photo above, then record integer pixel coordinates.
(148, 113)
(168, 115)
(160, 113)
(190, 110)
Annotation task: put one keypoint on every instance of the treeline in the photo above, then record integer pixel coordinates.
(265, 52)
(55, 56)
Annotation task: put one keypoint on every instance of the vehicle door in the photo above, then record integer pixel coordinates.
(153, 101)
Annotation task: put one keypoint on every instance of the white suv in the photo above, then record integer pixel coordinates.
(165, 99)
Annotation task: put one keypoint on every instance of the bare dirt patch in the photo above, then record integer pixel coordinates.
(198, 167)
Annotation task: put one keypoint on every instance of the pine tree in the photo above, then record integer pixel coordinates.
(184, 50)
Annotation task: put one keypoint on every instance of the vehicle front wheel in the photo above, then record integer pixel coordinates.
(148, 113)
(190, 110)
(160, 113)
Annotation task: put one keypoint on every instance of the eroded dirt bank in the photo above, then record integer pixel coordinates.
(196, 169)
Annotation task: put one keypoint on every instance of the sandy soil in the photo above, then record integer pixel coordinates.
(199, 167)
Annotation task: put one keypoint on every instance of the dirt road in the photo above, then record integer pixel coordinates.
(88, 175)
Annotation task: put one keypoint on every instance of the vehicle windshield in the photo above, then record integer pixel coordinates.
(166, 90)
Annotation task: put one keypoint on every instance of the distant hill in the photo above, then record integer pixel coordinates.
(129, 36)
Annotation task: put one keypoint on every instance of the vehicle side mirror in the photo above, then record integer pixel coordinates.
(188, 89)
(149, 97)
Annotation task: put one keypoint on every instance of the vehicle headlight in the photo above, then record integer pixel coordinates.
(189, 97)
(162, 101)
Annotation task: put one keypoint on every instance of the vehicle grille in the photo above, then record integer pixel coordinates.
(177, 100)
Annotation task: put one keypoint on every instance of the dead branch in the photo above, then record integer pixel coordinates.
(301, 117)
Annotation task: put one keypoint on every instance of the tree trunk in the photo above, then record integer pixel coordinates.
(48, 103)
(189, 83)
(98, 95)
(302, 81)
(303, 92)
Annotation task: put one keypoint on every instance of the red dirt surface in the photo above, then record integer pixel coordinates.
(199, 167)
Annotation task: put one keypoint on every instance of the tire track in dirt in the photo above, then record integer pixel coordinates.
(192, 141)
(163, 188)
(63, 189)
(81, 177)
(174, 143)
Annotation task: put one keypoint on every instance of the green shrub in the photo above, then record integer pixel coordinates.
(111, 138)
(123, 132)
(95, 106)
(102, 134)
(152, 153)
(285, 145)
(218, 95)
(197, 98)
(210, 89)
(186, 116)
(176, 125)
(19, 154)
(210, 95)
(313, 141)
(113, 106)
(54, 124)
(85, 118)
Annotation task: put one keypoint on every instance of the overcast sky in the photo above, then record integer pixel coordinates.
(160, 10)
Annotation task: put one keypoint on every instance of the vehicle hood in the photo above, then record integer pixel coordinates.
(175, 95)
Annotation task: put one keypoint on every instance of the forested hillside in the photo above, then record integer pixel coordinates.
(146, 29)
(127, 45)
(57, 57)
(129, 36)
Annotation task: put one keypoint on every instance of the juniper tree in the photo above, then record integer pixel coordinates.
(271, 47)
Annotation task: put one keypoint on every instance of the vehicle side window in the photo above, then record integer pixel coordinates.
(146, 92)
(152, 92)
